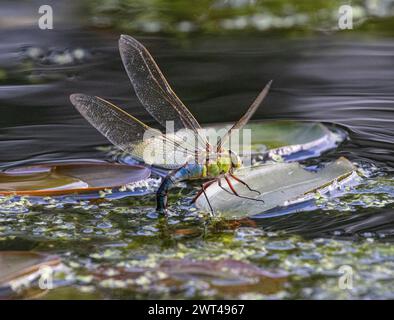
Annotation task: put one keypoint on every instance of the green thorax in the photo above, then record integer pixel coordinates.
(214, 168)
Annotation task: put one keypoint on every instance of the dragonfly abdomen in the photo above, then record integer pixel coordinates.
(186, 172)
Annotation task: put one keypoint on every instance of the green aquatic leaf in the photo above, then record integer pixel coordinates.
(279, 184)
(285, 133)
(290, 139)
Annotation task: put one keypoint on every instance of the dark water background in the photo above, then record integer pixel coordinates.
(343, 79)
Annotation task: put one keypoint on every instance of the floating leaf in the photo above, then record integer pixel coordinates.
(290, 139)
(279, 185)
(17, 264)
(60, 178)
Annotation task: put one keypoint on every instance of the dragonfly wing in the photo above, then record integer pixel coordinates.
(130, 134)
(246, 117)
(152, 88)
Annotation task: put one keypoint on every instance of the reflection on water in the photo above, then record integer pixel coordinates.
(342, 80)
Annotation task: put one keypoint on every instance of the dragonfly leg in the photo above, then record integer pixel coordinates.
(244, 183)
(235, 192)
(205, 185)
(231, 186)
(221, 186)
(209, 203)
(232, 192)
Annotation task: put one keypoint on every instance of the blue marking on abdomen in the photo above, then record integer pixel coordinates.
(189, 171)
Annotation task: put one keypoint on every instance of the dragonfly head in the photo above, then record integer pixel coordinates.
(236, 161)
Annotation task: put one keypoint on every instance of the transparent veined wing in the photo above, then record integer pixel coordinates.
(246, 117)
(152, 88)
(131, 135)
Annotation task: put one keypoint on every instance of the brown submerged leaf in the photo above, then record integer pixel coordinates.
(227, 276)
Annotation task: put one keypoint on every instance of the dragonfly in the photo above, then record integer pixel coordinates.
(202, 161)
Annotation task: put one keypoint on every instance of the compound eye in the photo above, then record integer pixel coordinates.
(235, 160)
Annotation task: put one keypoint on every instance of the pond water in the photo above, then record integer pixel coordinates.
(120, 248)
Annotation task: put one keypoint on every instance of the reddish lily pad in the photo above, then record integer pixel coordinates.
(17, 264)
(48, 179)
